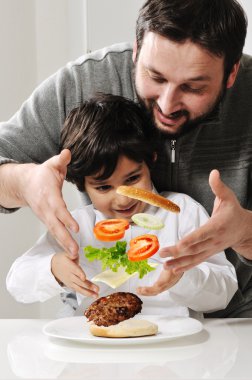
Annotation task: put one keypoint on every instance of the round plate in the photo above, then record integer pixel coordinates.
(77, 329)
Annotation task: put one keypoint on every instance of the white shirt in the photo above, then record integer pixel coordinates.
(205, 288)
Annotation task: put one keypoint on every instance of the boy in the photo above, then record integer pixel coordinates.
(112, 143)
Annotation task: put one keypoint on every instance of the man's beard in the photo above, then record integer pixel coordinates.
(211, 115)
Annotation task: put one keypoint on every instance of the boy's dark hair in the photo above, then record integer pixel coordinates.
(101, 130)
(219, 26)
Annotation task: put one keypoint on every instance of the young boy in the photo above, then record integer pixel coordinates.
(112, 143)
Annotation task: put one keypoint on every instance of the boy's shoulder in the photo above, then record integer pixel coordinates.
(84, 214)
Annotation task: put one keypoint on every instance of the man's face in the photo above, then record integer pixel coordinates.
(179, 83)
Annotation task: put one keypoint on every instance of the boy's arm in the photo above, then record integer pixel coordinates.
(30, 278)
(205, 288)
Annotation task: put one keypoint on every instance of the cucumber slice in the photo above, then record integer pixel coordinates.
(148, 221)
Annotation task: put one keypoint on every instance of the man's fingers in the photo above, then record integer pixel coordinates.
(67, 219)
(193, 243)
(65, 157)
(59, 161)
(58, 221)
(63, 237)
(218, 187)
(185, 263)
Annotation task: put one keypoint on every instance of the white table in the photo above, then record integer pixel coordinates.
(223, 350)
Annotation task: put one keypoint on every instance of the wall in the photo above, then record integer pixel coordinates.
(17, 78)
(247, 6)
(37, 37)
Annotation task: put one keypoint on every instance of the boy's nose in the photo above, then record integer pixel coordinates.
(122, 200)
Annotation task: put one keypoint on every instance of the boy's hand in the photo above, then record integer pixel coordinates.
(70, 273)
(166, 280)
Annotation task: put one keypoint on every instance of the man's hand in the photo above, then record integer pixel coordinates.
(40, 188)
(166, 280)
(69, 273)
(229, 226)
(42, 191)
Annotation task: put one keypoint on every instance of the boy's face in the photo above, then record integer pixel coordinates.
(103, 193)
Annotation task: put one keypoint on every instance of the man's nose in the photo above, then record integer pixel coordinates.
(169, 100)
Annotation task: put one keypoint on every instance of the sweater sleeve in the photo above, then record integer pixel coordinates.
(210, 285)
(32, 135)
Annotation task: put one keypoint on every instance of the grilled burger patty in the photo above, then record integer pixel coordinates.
(115, 308)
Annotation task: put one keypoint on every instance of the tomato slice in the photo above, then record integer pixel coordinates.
(110, 229)
(142, 247)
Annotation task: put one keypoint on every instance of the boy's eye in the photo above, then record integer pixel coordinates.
(133, 178)
(103, 188)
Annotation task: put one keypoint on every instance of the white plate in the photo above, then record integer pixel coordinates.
(77, 329)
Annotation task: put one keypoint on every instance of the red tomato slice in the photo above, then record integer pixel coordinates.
(142, 247)
(111, 229)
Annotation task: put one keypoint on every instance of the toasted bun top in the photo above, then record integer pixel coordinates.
(126, 329)
(148, 197)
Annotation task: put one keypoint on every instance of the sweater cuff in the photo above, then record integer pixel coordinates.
(5, 210)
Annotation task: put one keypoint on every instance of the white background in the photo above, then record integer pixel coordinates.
(36, 38)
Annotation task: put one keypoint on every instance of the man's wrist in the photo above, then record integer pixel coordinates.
(13, 181)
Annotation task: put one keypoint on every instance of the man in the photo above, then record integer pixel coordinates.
(188, 73)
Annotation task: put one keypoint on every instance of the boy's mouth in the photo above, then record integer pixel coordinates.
(126, 211)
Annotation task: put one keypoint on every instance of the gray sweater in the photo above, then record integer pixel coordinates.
(33, 133)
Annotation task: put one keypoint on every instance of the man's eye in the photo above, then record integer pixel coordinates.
(133, 179)
(187, 88)
(158, 79)
(155, 78)
(103, 188)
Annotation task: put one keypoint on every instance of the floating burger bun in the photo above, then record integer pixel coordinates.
(112, 317)
(125, 329)
(148, 197)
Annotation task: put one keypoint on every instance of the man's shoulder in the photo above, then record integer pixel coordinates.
(117, 52)
(246, 62)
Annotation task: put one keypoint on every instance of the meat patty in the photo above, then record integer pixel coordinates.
(115, 308)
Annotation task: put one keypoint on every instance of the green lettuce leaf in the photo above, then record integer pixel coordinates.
(115, 257)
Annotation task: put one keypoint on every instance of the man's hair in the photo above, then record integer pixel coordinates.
(218, 26)
(100, 131)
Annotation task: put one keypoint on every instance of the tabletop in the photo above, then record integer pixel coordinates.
(222, 350)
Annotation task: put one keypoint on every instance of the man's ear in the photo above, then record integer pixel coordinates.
(134, 54)
(232, 76)
(154, 156)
